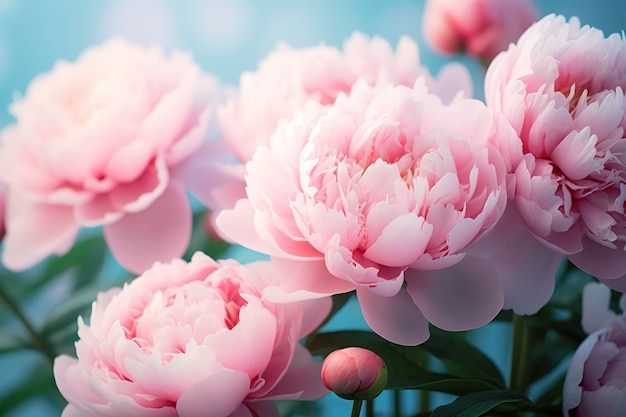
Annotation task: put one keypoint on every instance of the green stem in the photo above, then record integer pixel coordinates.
(356, 408)
(424, 401)
(369, 408)
(37, 341)
(520, 355)
(397, 403)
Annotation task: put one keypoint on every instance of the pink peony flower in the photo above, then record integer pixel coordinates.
(385, 179)
(114, 139)
(192, 339)
(354, 373)
(287, 78)
(595, 384)
(481, 28)
(562, 89)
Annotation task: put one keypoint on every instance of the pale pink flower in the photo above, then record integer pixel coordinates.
(481, 28)
(385, 179)
(115, 139)
(562, 89)
(192, 339)
(287, 78)
(595, 384)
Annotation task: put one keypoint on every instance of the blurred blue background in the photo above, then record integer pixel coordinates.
(225, 37)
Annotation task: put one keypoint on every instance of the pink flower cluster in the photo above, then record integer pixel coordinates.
(355, 170)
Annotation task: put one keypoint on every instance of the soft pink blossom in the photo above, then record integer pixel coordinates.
(192, 339)
(114, 139)
(481, 28)
(562, 89)
(287, 78)
(595, 384)
(354, 373)
(385, 179)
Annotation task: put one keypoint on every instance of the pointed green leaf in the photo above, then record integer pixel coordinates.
(477, 404)
(461, 357)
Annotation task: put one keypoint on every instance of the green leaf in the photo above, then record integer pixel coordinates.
(478, 403)
(400, 360)
(433, 381)
(12, 340)
(462, 358)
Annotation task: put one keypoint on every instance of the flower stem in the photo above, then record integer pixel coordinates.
(356, 408)
(369, 408)
(37, 341)
(520, 354)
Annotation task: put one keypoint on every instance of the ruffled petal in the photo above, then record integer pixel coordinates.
(301, 280)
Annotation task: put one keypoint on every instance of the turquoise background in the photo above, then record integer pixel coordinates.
(225, 38)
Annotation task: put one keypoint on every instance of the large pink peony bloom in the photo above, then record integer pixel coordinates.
(386, 179)
(482, 28)
(562, 89)
(595, 384)
(113, 139)
(192, 339)
(287, 78)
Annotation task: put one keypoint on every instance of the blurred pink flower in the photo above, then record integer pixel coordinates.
(354, 373)
(386, 179)
(595, 384)
(562, 89)
(187, 339)
(481, 28)
(2, 211)
(287, 78)
(114, 139)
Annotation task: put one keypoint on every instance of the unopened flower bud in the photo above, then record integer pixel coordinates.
(354, 373)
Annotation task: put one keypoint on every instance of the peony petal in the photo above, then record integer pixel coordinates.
(71, 411)
(34, 231)
(396, 318)
(301, 280)
(264, 409)
(237, 226)
(159, 233)
(526, 267)
(314, 312)
(618, 284)
(608, 401)
(301, 381)
(206, 174)
(401, 242)
(599, 260)
(218, 395)
(572, 390)
(127, 163)
(595, 311)
(462, 297)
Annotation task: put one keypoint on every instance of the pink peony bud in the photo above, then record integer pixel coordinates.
(482, 28)
(354, 373)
